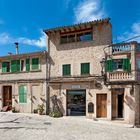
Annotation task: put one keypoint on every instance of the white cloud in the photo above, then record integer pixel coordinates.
(5, 38)
(88, 10)
(135, 31)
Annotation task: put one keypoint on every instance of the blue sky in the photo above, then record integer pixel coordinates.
(23, 20)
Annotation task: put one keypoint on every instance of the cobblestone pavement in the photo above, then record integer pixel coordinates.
(34, 127)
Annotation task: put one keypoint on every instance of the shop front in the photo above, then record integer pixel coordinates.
(76, 102)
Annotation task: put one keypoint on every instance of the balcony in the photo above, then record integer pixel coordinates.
(119, 76)
(121, 48)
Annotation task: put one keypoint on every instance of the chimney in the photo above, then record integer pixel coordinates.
(17, 47)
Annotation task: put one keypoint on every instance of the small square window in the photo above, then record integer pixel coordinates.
(66, 69)
(85, 68)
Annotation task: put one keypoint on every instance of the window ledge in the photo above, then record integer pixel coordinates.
(4, 73)
(76, 42)
(85, 74)
(66, 76)
(35, 71)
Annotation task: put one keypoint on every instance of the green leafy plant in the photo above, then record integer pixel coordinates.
(55, 113)
(40, 109)
(14, 110)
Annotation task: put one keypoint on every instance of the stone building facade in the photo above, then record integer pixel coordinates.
(79, 81)
(23, 81)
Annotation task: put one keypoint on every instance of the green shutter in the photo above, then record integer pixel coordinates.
(27, 64)
(18, 65)
(4, 66)
(22, 94)
(126, 64)
(67, 69)
(35, 63)
(109, 65)
(85, 68)
(15, 65)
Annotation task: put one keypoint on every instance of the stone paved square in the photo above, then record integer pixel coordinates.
(18, 126)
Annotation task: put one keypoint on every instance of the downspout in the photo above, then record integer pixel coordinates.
(47, 77)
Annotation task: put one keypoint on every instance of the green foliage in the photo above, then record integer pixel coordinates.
(55, 113)
(14, 110)
(40, 108)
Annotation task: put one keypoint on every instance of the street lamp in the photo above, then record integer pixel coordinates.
(102, 62)
(103, 73)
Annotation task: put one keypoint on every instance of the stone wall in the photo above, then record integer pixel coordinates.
(39, 74)
(79, 52)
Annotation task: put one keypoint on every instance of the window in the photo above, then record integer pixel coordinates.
(85, 68)
(22, 65)
(63, 39)
(138, 48)
(15, 65)
(138, 64)
(66, 69)
(71, 38)
(84, 36)
(22, 94)
(118, 64)
(5, 67)
(35, 63)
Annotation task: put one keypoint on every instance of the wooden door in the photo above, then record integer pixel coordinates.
(114, 105)
(7, 96)
(101, 105)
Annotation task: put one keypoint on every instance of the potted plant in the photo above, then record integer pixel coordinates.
(14, 110)
(40, 109)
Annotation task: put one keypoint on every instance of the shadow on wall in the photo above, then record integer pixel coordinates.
(51, 62)
(57, 103)
(130, 102)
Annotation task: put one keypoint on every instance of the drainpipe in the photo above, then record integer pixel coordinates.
(47, 77)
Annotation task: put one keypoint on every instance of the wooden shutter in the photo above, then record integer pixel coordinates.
(4, 66)
(27, 64)
(109, 65)
(66, 69)
(126, 64)
(85, 67)
(35, 63)
(15, 65)
(22, 94)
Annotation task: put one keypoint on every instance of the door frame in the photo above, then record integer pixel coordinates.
(67, 90)
(116, 111)
(97, 104)
(3, 94)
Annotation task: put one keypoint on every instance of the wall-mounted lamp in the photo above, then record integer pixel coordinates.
(103, 72)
